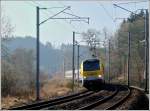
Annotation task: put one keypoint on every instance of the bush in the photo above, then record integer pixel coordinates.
(8, 78)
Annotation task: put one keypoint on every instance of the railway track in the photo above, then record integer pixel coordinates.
(75, 104)
(116, 100)
(59, 100)
(107, 99)
(100, 101)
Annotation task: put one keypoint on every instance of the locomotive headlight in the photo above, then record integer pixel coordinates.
(100, 76)
(84, 77)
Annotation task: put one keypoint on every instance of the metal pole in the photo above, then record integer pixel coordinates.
(124, 68)
(105, 62)
(37, 54)
(109, 62)
(128, 74)
(73, 68)
(105, 53)
(146, 48)
(38, 49)
(64, 70)
(78, 66)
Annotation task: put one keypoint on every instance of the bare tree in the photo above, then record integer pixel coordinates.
(91, 37)
(6, 26)
(23, 61)
(6, 30)
(8, 78)
(7, 75)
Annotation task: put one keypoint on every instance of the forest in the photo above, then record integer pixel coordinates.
(119, 50)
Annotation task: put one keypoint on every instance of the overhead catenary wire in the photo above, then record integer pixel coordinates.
(133, 2)
(29, 3)
(53, 13)
(37, 4)
(69, 10)
(109, 15)
(77, 17)
(64, 5)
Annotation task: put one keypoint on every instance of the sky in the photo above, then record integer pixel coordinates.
(22, 15)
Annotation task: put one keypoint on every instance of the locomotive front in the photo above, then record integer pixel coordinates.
(92, 73)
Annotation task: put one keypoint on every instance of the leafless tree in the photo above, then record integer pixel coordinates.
(6, 31)
(6, 26)
(7, 75)
(91, 37)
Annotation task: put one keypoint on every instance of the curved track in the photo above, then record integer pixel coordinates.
(35, 105)
(61, 101)
(108, 98)
(117, 99)
(80, 102)
(101, 101)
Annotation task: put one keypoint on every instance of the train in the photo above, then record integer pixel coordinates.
(92, 73)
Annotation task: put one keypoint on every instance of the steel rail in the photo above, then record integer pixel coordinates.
(74, 101)
(46, 102)
(100, 101)
(67, 99)
(118, 103)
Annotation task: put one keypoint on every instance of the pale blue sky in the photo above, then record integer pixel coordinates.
(23, 16)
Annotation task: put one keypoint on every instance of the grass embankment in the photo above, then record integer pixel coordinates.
(57, 86)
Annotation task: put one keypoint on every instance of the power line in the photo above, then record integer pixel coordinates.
(53, 13)
(70, 9)
(133, 2)
(55, 20)
(71, 14)
(47, 7)
(38, 4)
(109, 15)
(64, 5)
(124, 9)
(45, 10)
(29, 3)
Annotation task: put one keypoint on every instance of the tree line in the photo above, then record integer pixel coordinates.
(119, 50)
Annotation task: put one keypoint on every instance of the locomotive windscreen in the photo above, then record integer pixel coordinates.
(91, 65)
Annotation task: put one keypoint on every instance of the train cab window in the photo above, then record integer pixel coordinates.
(91, 65)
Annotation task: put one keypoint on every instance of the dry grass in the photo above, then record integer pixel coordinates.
(57, 86)
(11, 101)
(120, 79)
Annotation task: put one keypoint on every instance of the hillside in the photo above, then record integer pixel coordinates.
(51, 59)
